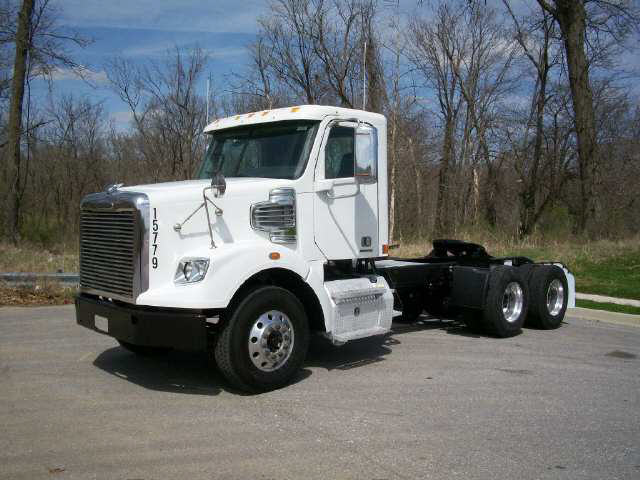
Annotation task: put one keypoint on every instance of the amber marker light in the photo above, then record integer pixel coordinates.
(274, 256)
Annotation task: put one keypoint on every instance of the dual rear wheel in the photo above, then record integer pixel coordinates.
(536, 295)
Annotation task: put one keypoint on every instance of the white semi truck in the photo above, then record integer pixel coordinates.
(284, 233)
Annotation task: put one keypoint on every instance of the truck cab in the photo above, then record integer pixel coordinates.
(283, 232)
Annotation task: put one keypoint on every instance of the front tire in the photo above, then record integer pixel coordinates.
(264, 340)
(506, 303)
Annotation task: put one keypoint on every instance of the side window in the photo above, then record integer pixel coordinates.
(339, 153)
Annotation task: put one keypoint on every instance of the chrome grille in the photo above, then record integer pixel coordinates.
(113, 242)
(107, 243)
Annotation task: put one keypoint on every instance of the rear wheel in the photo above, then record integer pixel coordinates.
(264, 340)
(549, 297)
(506, 303)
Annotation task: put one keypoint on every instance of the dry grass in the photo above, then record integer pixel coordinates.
(39, 295)
(31, 258)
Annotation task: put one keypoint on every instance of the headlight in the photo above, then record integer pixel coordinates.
(191, 270)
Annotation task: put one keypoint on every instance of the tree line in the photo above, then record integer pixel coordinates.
(502, 116)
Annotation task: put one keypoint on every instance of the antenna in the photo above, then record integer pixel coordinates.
(208, 90)
(364, 77)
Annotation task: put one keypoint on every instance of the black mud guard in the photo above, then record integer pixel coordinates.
(469, 286)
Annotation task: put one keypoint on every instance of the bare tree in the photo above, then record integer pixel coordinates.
(39, 50)
(22, 41)
(534, 34)
(574, 17)
(434, 53)
(287, 33)
(167, 113)
(481, 59)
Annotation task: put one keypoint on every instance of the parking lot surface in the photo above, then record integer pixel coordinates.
(430, 400)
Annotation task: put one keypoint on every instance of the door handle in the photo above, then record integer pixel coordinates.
(323, 185)
(328, 186)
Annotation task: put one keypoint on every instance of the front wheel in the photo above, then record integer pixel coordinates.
(264, 341)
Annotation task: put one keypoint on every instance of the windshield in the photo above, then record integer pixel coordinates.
(269, 150)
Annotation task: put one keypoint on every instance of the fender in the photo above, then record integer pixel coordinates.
(230, 266)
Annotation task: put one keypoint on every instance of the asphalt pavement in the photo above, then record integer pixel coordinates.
(430, 400)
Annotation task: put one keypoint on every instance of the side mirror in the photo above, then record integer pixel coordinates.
(218, 184)
(366, 154)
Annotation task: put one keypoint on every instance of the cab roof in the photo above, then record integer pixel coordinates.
(301, 112)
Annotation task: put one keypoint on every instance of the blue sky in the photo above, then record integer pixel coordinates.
(144, 29)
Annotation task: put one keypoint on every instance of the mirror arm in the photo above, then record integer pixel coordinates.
(206, 209)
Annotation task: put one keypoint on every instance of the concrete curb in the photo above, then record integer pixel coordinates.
(604, 316)
(604, 299)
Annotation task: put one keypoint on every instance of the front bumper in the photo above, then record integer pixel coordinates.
(155, 327)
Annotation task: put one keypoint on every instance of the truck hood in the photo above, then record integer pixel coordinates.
(180, 203)
(236, 187)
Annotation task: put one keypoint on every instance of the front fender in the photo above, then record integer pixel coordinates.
(230, 266)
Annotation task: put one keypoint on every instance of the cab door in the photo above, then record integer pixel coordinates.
(346, 192)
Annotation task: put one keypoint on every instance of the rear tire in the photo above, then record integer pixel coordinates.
(264, 340)
(549, 297)
(143, 350)
(506, 302)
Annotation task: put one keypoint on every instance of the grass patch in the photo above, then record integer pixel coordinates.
(51, 294)
(609, 307)
(32, 258)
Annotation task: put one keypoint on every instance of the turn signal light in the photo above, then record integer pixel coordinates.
(274, 256)
(385, 248)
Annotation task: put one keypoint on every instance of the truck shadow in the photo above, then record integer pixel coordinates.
(175, 372)
(195, 373)
(449, 326)
(366, 351)
(190, 373)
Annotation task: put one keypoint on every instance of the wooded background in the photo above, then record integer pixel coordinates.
(518, 118)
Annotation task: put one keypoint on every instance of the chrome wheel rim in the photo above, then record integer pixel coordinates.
(271, 340)
(555, 297)
(512, 302)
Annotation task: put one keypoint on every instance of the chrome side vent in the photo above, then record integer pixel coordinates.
(277, 216)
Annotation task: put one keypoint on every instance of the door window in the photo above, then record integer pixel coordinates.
(339, 153)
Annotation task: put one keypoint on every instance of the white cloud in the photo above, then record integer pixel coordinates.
(122, 120)
(98, 78)
(184, 15)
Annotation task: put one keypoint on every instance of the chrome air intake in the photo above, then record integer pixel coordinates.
(114, 245)
(277, 216)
